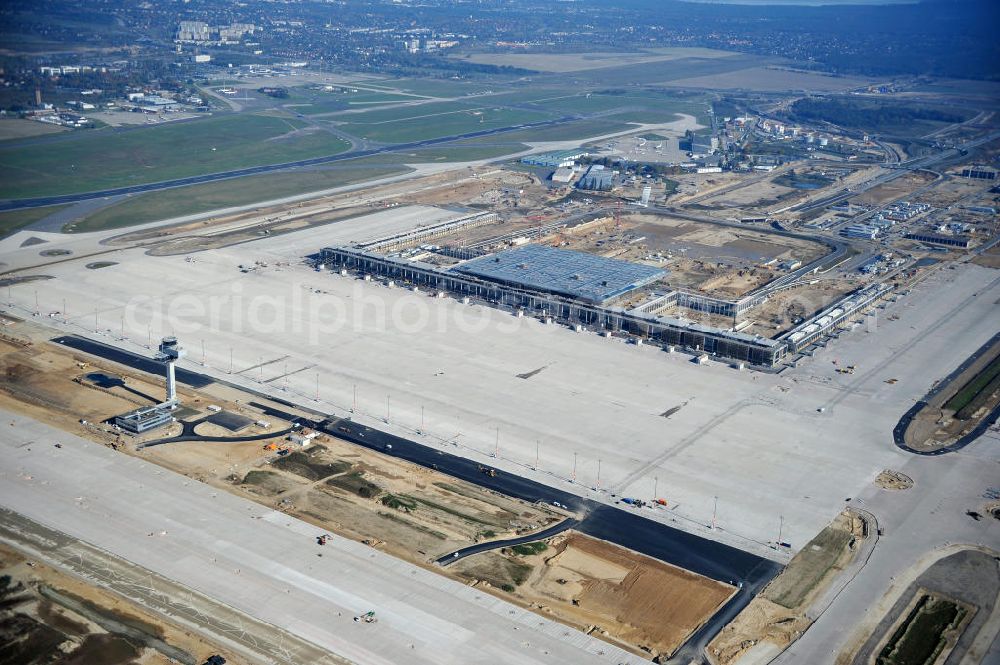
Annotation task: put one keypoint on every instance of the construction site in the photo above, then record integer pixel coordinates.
(703, 286)
(612, 420)
(234, 441)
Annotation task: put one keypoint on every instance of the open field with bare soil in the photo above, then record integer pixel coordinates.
(895, 189)
(47, 616)
(779, 615)
(457, 186)
(719, 260)
(605, 590)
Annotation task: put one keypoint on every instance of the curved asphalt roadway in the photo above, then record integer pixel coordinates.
(748, 572)
(449, 559)
(189, 435)
(14, 204)
(899, 432)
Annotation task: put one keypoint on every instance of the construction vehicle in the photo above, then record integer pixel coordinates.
(489, 471)
(367, 617)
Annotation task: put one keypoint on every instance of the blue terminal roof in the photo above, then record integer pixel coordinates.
(588, 277)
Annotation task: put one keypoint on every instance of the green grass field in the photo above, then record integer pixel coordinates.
(921, 638)
(226, 193)
(427, 126)
(13, 221)
(460, 152)
(313, 102)
(433, 87)
(581, 130)
(105, 159)
(807, 569)
(979, 384)
(424, 110)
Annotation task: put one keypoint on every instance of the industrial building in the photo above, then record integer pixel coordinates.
(962, 241)
(563, 174)
(860, 231)
(555, 159)
(579, 275)
(979, 173)
(597, 178)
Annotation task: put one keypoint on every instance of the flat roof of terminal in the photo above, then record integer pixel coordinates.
(576, 274)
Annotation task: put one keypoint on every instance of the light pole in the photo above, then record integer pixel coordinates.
(386, 408)
(537, 444)
(781, 528)
(715, 510)
(574, 467)
(656, 481)
(598, 473)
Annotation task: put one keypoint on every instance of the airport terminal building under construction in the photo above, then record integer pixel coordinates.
(586, 291)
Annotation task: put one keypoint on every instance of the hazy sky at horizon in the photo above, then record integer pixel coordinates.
(810, 3)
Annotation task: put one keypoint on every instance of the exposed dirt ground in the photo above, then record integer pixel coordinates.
(501, 188)
(895, 189)
(621, 596)
(777, 617)
(721, 261)
(784, 308)
(990, 258)
(893, 480)
(411, 512)
(936, 425)
(47, 616)
(954, 189)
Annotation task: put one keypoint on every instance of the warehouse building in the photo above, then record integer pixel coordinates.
(979, 173)
(554, 160)
(597, 178)
(962, 241)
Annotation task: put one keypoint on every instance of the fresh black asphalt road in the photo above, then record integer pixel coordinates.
(625, 527)
(14, 204)
(899, 432)
(553, 530)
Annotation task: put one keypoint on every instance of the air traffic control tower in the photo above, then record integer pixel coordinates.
(170, 352)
